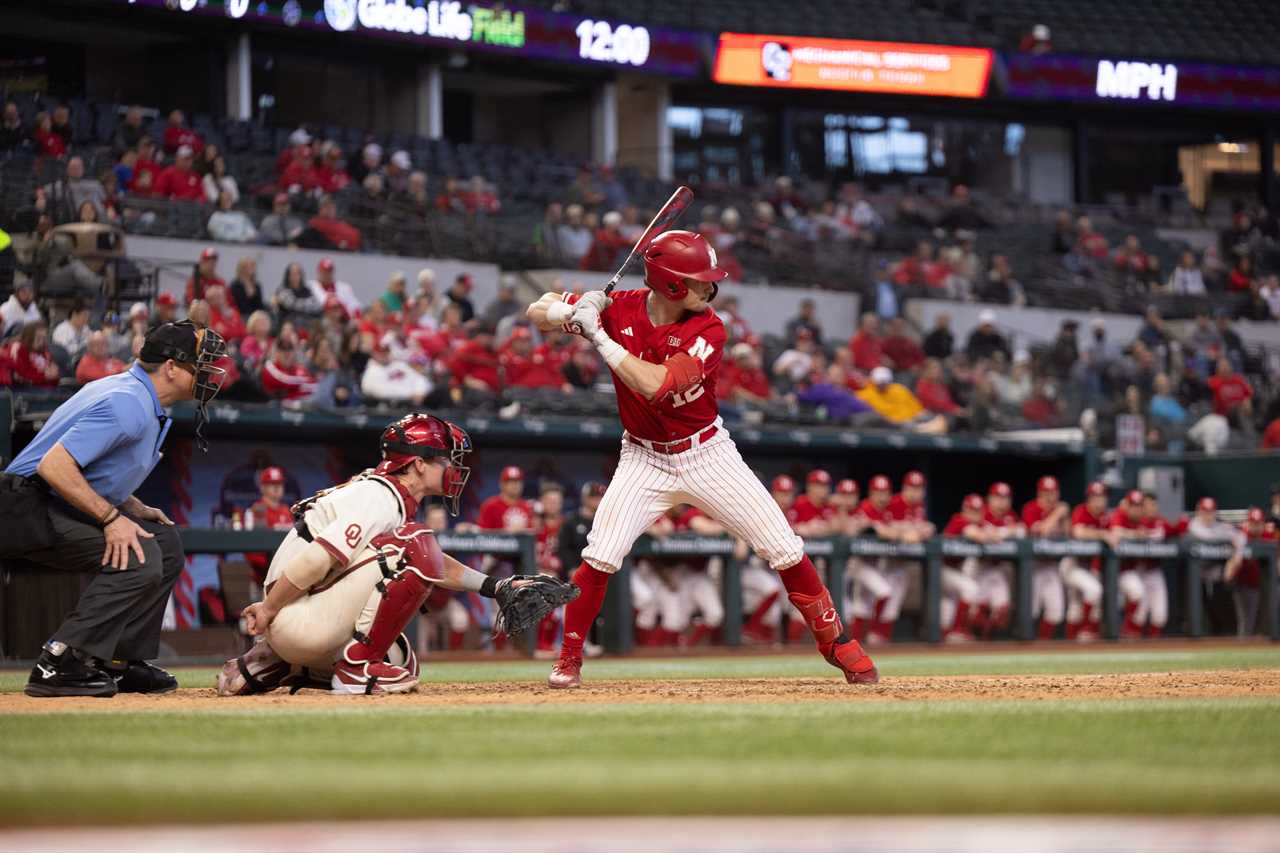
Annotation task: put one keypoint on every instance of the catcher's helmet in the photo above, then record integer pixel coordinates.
(422, 435)
(674, 256)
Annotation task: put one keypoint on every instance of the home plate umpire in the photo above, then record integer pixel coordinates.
(68, 500)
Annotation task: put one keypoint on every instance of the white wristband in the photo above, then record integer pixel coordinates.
(610, 350)
(559, 313)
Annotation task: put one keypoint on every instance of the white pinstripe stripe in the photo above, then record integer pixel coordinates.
(641, 490)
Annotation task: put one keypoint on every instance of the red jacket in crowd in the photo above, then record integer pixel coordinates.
(291, 382)
(342, 235)
(1229, 392)
(179, 184)
(31, 367)
(90, 368)
(475, 360)
(176, 136)
(868, 351)
(539, 369)
(227, 323)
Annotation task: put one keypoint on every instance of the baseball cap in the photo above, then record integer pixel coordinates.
(1000, 489)
(208, 253)
(847, 487)
(783, 483)
(511, 472)
(1134, 498)
(280, 198)
(1095, 488)
(373, 150)
(879, 483)
(987, 316)
(593, 490)
(401, 160)
(1047, 484)
(139, 309)
(270, 476)
(1207, 504)
(881, 375)
(817, 475)
(325, 265)
(171, 340)
(166, 299)
(299, 137)
(973, 501)
(185, 151)
(913, 479)
(1255, 515)
(465, 280)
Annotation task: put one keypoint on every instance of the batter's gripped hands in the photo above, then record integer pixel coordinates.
(122, 536)
(257, 618)
(585, 321)
(597, 298)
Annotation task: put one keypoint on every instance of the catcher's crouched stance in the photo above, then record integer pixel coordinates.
(355, 569)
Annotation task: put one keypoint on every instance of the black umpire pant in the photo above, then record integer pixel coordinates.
(119, 614)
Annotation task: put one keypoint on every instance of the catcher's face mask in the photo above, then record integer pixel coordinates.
(196, 350)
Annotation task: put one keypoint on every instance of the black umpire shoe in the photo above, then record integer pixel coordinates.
(138, 676)
(67, 675)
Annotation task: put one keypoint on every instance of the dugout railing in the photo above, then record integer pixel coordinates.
(833, 557)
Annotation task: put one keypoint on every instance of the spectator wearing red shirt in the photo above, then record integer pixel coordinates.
(223, 316)
(478, 198)
(48, 143)
(507, 510)
(1271, 436)
(1231, 391)
(932, 390)
(300, 175)
(330, 174)
(1241, 278)
(606, 246)
(920, 269)
(902, 350)
(1130, 257)
(177, 136)
(30, 361)
(282, 376)
(340, 234)
(868, 351)
(97, 361)
(475, 364)
(742, 380)
(526, 366)
(204, 276)
(180, 182)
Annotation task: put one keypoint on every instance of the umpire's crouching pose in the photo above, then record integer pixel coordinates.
(68, 502)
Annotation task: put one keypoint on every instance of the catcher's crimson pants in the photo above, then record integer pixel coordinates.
(119, 614)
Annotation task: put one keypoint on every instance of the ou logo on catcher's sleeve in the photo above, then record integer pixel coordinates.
(701, 350)
(353, 535)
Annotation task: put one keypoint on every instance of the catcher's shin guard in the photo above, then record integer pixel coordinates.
(362, 666)
(845, 654)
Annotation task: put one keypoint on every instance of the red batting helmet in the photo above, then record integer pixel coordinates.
(420, 435)
(1047, 484)
(674, 256)
(511, 472)
(817, 475)
(914, 479)
(847, 487)
(879, 483)
(783, 483)
(411, 547)
(271, 476)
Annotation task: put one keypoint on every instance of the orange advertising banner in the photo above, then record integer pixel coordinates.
(800, 62)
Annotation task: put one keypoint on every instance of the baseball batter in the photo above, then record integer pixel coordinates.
(354, 570)
(664, 346)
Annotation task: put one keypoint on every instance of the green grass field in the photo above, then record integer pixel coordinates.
(374, 759)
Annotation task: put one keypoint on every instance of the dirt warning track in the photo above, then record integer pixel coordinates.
(1167, 685)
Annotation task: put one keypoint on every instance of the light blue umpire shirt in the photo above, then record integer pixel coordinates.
(112, 427)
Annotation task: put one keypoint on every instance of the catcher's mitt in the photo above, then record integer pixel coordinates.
(523, 601)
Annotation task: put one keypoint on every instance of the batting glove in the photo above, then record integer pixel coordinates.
(585, 320)
(598, 298)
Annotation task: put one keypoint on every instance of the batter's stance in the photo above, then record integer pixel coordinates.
(664, 346)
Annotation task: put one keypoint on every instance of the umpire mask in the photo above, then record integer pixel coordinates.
(196, 349)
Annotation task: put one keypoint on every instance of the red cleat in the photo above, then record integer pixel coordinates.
(856, 664)
(566, 673)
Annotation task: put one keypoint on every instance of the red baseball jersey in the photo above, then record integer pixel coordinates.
(539, 369)
(1082, 515)
(807, 510)
(685, 519)
(1120, 519)
(900, 510)
(955, 527)
(497, 514)
(548, 546)
(1034, 513)
(872, 513)
(701, 335)
(278, 517)
(1009, 519)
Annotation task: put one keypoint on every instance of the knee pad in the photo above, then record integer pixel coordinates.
(398, 598)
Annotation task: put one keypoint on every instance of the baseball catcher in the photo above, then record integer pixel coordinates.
(355, 569)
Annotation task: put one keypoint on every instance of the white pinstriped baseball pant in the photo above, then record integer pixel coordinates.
(713, 477)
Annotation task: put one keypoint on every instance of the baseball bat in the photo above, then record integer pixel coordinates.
(668, 214)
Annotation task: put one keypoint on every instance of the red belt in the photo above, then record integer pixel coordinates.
(670, 448)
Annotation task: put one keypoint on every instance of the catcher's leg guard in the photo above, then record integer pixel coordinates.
(362, 666)
(819, 613)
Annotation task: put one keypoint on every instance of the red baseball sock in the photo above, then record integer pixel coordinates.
(1047, 629)
(802, 578)
(582, 611)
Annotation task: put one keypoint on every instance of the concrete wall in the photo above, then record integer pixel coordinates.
(765, 308)
(367, 274)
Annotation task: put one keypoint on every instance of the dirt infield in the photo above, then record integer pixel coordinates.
(1172, 685)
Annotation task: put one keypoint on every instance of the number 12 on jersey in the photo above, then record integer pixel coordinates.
(700, 350)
